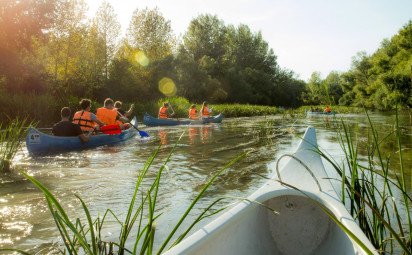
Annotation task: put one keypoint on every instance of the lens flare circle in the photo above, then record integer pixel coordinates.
(141, 58)
(167, 86)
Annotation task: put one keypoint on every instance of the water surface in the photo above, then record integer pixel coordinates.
(105, 177)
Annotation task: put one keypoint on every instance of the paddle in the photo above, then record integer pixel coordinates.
(141, 133)
(173, 112)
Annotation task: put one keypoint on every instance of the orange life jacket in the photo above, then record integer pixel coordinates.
(107, 116)
(205, 111)
(328, 109)
(192, 113)
(84, 120)
(163, 113)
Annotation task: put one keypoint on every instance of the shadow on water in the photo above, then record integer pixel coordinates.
(105, 177)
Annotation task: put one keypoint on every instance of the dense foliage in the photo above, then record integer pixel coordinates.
(381, 80)
(51, 47)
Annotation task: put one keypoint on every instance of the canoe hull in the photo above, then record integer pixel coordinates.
(39, 143)
(151, 121)
(320, 113)
(295, 225)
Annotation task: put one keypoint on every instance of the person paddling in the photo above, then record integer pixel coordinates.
(109, 115)
(66, 128)
(118, 106)
(86, 119)
(205, 111)
(193, 112)
(164, 111)
(328, 109)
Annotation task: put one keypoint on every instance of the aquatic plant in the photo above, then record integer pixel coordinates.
(336, 108)
(11, 139)
(81, 237)
(379, 203)
(245, 110)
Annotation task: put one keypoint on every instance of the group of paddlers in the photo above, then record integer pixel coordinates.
(166, 111)
(85, 123)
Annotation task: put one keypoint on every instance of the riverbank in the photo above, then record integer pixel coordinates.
(45, 109)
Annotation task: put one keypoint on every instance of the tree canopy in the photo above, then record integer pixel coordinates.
(381, 80)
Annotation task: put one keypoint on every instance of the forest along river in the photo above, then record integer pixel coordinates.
(105, 177)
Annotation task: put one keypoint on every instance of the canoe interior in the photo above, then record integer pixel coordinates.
(300, 227)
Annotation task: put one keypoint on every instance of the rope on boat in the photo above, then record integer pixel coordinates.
(302, 163)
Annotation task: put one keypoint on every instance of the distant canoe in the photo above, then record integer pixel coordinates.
(152, 121)
(39, 143)
(320, 113)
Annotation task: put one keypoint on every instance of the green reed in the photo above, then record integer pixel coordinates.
(11, 139)
(81, 237)
(369, 191)
(245, 110)
(339, 109)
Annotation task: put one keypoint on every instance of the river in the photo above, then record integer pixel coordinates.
(105, 177)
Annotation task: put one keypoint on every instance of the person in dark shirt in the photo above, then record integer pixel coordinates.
(66, 128)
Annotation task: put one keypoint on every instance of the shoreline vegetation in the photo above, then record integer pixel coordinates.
(45, 109)
(54, 58)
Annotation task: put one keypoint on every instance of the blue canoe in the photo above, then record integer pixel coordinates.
(152, 121)
(39, 143)
(320, 113)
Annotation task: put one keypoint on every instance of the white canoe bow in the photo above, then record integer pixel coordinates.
(300, 226)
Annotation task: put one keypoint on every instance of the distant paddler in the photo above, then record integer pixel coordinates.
(193, 114)
(164, 111)
(328, 109)
(205, 111)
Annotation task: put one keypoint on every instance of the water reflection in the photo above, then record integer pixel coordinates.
(163, 137)
(193, 134)
(206, 133)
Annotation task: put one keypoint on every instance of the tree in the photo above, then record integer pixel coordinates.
(107, 31)
(20, 23)
(151, 33)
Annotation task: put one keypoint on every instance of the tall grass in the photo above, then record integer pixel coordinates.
(245, 110)
(84, 236)
(336, 108)
(379, 203)
(11, 139)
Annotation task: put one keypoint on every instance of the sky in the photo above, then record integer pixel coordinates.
(306, 35)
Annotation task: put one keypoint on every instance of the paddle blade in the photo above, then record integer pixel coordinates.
(143, 134)
(111, 129)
